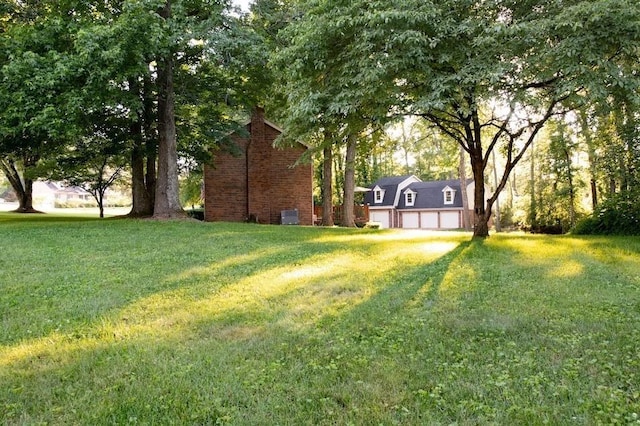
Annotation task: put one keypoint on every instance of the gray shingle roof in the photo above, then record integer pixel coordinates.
(429, 195)
(390, 186)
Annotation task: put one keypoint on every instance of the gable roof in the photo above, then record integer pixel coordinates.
(247, 123)
(429, 195)
(260, 116)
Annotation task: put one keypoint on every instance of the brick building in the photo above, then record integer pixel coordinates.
(261, 182)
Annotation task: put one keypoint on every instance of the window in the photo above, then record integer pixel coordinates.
(449, 195)
(409, 198)
(378, 195)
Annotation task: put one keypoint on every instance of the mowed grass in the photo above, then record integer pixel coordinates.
(147, 322)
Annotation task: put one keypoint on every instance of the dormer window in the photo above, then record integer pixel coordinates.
(378, 195)
(409, 198)
(449, 195)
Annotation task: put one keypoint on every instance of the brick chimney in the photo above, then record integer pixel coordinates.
(258, 169)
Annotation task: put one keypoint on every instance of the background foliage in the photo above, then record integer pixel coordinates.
(400, 82)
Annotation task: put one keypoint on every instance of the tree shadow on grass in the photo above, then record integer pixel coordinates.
(177, 344)
(416, 287)
(89, 278)
(201, 291)
(72, 274)
(418, 344)
(334, 334)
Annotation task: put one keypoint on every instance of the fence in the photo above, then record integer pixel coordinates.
(361, 214)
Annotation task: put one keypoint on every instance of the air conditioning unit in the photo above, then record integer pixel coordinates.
(289, 217)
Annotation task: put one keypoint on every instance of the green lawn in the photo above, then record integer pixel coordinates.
(147, 322)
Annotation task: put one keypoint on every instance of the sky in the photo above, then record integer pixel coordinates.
(244, 4)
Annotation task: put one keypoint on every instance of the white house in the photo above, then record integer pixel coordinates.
(46, 194)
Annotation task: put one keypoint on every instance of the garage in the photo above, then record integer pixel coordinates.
(409, 203)
(449, 220)
(382, 217)
(410, 220)
(429, 220)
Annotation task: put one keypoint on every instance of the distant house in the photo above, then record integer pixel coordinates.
(407, 202)
(49, 194)
(263, 183)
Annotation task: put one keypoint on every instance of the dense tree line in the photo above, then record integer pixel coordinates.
(88, 86)
(492, 87)
(488, 75)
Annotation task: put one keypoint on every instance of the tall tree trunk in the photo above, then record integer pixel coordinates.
(462, 170)
(151, 177)
(26, 201)
(612, 186)
(338, 168)
(405, 149)
(327, 185)
(591, 156)
(143, 154)
(150, 138)
(481, 213)
(625, 132)
(141, 203)
(348, 217)
(572, 194)
(498, 225)
(101, 202)
(167, 201)
(22, 186)
(533, 208)
(473, 142)
(143, 183)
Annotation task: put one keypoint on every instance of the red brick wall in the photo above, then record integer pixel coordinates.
(273, 184)
(292, 187)
(226, 186)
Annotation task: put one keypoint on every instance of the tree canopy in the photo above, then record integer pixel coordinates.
(150, 64)
(169, 79)
(487, 74)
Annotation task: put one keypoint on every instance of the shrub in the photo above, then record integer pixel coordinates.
(372, 225)
(74, 204)
(196, 214)
(619, 215)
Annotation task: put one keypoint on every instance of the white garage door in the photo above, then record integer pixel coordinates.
(430, 220)
(449, 220)
(410, 220)
(380, 217)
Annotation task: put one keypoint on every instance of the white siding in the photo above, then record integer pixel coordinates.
(410, 220)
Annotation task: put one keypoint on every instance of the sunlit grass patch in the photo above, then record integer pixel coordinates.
(191, 323)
